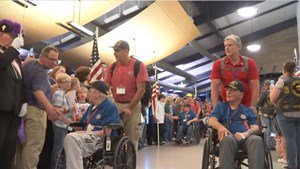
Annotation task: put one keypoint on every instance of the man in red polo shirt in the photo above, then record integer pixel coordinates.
(127, 89)
(195, 105)
(235, 67)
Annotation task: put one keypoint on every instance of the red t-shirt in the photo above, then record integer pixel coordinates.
(195, 106)
(123, 76)
(242, 75)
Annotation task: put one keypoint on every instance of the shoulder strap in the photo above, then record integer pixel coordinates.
(232, 117)
(112, 69)
(223, 65)
(136, 67)
(246, 64)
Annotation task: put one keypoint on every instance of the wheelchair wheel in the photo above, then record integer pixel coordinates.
(197, 136)
(268, 160)
(124, 155)
(205, 156)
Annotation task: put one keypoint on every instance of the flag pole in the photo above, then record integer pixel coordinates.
(156, 80)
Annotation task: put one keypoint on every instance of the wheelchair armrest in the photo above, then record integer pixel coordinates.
(263, 126)
(77, 124)
(115, 126)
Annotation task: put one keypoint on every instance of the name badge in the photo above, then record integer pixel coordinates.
(89, 128)
(121, 90)
(184, 120)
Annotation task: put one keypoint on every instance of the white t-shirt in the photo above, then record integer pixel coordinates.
(160, 112)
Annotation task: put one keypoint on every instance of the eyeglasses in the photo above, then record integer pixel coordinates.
(66, 82)
(56, 61)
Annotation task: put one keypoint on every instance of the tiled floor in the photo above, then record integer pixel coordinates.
(172, 156)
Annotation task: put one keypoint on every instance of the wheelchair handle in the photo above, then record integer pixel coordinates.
(115, 126)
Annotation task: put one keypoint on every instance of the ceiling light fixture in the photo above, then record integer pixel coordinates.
(247, 11)
(69, 28)
(80, 28)
(182, 84)
(130, 10)
(253, 47)
(111, 18)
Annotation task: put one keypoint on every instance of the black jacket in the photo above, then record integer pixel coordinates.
(11, 86)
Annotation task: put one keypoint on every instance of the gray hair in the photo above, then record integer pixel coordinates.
(235, 38)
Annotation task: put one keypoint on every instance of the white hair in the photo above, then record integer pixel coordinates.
(235, 38)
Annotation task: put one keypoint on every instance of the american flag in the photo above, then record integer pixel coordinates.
(96, 66)
(154, 97)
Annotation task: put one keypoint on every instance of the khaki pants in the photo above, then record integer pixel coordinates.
(131, 124)
(35, 128)
(78, 145)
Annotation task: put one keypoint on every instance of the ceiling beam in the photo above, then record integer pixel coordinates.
(122, 19)
(174, 87)
(219, 9)
(190, 68)
(245, 20)
(260, 34)
(203, 51)
(168, 67)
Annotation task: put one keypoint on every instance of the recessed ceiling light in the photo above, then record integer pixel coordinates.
(247, 11)
(253, 47)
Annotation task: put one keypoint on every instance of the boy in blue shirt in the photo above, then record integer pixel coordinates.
(237, 134)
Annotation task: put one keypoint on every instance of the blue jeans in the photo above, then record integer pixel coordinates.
(291, 131)
(187, 129)
(59, 136)
(270, 123)
(168, 129)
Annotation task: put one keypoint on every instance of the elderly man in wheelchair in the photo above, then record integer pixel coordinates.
(81, 144)
(237, 127)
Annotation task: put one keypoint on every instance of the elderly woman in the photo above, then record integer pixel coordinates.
(286, 95)
(10, 88)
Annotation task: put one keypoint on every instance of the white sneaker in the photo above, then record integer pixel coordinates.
(281, 160)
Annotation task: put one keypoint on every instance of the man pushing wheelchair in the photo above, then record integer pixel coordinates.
(237, 127)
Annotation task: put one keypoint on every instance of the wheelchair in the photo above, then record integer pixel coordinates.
(211, 152)
(117, 152)
(196, 134)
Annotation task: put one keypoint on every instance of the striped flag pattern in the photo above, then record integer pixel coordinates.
(96, 66)
(154, 97)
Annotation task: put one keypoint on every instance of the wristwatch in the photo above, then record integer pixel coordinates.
(253, 107)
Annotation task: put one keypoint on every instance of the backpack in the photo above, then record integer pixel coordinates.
(148, 90)
(265, 105)
(223, 65)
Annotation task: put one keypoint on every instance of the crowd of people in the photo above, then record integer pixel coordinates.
(174, 117)
(53, 100)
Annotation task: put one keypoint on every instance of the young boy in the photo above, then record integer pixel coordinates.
(60, 102)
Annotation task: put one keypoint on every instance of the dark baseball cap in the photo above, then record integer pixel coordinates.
(121, 44)
(99, 85)
(236, 85)
(8, 26)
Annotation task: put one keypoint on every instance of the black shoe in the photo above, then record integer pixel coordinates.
(178, 141)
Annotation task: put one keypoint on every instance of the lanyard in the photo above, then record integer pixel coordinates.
(228, 121)
(234, 72)
(89, 119)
